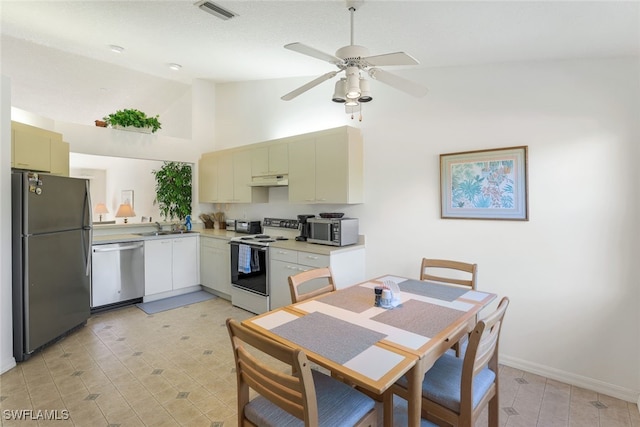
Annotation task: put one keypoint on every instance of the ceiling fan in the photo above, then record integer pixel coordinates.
(354, 61)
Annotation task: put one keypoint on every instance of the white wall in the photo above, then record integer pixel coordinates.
(6, 325)
(568, 271)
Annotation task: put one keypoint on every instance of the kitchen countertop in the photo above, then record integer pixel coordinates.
(132, 237)
(290, 244)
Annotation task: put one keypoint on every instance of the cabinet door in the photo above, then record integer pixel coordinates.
(332, 169)
(157, 266)
(242, 176)
(185, 262)
(260, 161)
(225, 177)
(59, 158)
(279, 272)
(207, 269)
(279, 159)
(215, 265)
(221, 262)
(208, 179)
(32, 151)
(302, 171)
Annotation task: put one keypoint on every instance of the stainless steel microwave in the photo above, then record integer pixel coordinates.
(333, 231)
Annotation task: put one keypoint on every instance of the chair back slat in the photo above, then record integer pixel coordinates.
(448, 271)
(264, 381)
(297, 281)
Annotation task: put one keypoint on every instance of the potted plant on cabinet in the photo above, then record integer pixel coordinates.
(173, 190)
(122, 119)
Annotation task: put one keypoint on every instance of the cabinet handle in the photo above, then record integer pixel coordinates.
(311, 257)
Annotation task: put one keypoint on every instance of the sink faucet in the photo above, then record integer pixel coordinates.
(158, 226)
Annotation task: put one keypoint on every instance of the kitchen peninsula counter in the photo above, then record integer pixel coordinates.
(128, 234)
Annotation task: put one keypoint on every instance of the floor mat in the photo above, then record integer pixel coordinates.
(174, 302)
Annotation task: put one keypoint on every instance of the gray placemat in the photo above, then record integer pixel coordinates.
(432, 290)
(355, 298)
(329, 337)
(419, 317)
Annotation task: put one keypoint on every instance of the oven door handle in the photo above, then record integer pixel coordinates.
(257, 248)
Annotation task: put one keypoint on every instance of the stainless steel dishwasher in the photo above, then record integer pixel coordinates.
(117, 274)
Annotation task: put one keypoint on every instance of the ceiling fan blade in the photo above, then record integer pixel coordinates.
(398, 82)
(395, 58)
(310, 51)
(313, 83)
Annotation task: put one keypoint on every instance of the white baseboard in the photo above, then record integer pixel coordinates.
(618, 392)
(10, 363)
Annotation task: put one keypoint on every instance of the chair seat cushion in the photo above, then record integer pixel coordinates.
(338, 405)
(441, 383)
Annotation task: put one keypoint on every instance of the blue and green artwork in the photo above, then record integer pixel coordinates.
(483, 185)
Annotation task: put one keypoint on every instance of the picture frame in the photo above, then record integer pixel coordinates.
(485, 184)
(126, 197)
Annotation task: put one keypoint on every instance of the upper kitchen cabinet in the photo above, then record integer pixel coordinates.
(270, 158)
(225, 177)
(39, 150)
(326, 167)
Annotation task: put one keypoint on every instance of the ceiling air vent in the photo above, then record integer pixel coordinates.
(216, 10)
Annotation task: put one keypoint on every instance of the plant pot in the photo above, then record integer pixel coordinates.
(101, 123)
(133, 129)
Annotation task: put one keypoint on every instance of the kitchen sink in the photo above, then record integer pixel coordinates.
(163, 233)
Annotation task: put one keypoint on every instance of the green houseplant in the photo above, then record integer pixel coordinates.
(133, 117)
(173, 190)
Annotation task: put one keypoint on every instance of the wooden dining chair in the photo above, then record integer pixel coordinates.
(452, 273)
(456, 390)
(299, 282)
(307, 397)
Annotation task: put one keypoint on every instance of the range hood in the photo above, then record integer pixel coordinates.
(270, 181)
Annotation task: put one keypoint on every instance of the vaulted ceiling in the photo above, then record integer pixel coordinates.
(250, 45)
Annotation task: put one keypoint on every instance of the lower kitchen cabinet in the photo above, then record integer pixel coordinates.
(215, 265)
(171, 264)
(347, 268)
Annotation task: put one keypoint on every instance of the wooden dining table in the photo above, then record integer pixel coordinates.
(372, 347)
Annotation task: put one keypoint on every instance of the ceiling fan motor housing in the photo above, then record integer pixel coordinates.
(353, 55)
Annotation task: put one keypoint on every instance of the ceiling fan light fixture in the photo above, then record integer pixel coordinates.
(340, 89)
(353, 82)
(351, 102)
(365, 91)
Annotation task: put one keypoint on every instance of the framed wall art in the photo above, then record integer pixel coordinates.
(485, 184)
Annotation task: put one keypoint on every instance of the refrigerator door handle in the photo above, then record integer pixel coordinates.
(88, 228)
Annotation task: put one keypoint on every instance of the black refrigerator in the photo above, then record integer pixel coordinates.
(51, 258)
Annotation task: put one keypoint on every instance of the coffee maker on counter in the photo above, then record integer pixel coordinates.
(303, 226)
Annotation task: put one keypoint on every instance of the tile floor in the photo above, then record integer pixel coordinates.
(175, 368)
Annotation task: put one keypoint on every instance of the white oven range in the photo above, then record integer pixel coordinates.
(250, 264)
